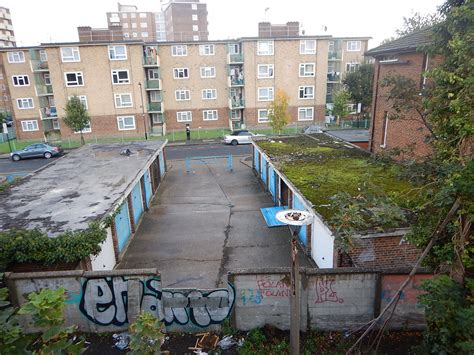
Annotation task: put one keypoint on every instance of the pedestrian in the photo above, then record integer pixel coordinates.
(188, 132)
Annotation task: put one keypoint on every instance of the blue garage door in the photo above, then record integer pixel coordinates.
(297, 205)
(256, 160)
(148, 190)
(162, 164)
(264, 170)
(137, 202)
(272, 183)
(122, 226)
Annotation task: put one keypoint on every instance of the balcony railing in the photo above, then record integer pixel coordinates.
(236, 81)
(151, 61)
(155, 107)
(333, 77)
(42, 90)
(334, 55)
(235, 58)
(236, 103)
(48, 112)
(153, 84)
(39, 66)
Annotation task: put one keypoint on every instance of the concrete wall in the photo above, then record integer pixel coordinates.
(330, 299)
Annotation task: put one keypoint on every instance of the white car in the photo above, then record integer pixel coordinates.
(240, 137)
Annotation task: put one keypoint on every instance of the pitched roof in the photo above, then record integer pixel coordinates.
(408, 43)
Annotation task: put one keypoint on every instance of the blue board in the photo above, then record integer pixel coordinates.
(297, 205)
(148, 190)
(269, 214)
(256, 160)
(122, 226)
(162, 164)
(137, 203)
(264, 170)
(272, 183)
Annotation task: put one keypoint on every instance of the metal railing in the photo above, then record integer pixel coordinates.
(236, 58)
(154, 107)
(151, 61)
(335, 55)
(153, 84)
(38, 65)
(44, 89)
(333, 77)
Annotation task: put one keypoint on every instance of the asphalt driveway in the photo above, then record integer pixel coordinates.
(207, 222)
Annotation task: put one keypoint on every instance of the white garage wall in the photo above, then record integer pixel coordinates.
(105, 260)
(322, 243)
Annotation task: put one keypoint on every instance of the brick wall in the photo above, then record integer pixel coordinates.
(251, 116)
(197, 119)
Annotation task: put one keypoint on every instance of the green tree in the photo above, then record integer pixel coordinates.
(278, 111)
(341, 104)
(359, 85)
(76, 117)
(417, 21)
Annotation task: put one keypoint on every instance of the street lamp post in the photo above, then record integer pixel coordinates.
(295, 219)
(143, 111)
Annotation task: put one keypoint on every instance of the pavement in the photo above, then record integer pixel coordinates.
(205, 223)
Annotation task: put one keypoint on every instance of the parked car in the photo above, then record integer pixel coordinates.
(37, 150)
(312, 129)
(241, 137)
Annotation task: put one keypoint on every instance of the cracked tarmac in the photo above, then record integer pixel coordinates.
(205, 223)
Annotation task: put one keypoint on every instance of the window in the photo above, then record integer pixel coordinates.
(306, 92)
(263, 116)
(117, 53)
(143, 25)
(120, 76)
(194, 17)
(308, 46)
(20, 80)
(153, 74)
(144, 34)
(182, 95)
(305, 113)
(25, 103)
(181, 73)
(184, 116)
(83, 100)
(265, 47)
(16, 57)
(179, 50)
(209, 94)
(196, 38)
(208, 72)
(134, 25)
(195, 28)
(307, 69)
(70, 54)
(384, 130)
(126, 123)
(194, 7)
(265, 71)
(125, 25)
(206, 49)
(123, 100)
(157, 118)
(126, 35)
(56, 124)
(155, 96)
(265, 94)
(353, 46)
(74, 79)
(209, 115)
(234, 48)
(43, 55)
(352, 67)
(134, 34)
(28, 126)
(142, 15)
(87, 128)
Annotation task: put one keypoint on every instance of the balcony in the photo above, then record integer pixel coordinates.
(44, 90)
(333, 78)
(329, 98)
(155, 107)
(48, 112)
(151, 61)
(334, 55)
(236, 104)
(39, 66)
(153, 84)
(235, 58)
(234, 81)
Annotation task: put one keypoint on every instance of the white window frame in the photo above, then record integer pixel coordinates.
(269, 97)
(303, 73)
(195, 28)
(143, 25)
(306, 110)
(194, 17)
(195, 38)
(155, 96)
(33, 123)
(75, 55)
(83, 100)
(47, 78)
(184, 116)
(153, 74)
(144, 34)
(129, 127)
(352, 67)
(21, 101)
(21, 78)
(304, 46)
(205, 93)
(177, 72)
(56, 125)
(43, 55)
(194, 7)
(271, 48)
(269, 70)
(86, 129)
(210, 115)
(118, 100)
(113, 52)
(206, 49)
(78, 74)
(179, 50)
(116, 72)
(179, 94)
(208, 70)
(354, 46)
(304, 92)
(259, 115)
(16, 57)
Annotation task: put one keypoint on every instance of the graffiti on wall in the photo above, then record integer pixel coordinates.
(104, 301)
(325, 292)
(409, 296)
(266, 287)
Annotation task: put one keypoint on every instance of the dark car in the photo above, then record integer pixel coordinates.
(37, 150)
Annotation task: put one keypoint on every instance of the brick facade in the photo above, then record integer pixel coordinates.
(197, 119)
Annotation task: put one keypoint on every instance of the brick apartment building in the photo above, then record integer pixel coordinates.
(7, 39)
(405, 57)
(210, 84)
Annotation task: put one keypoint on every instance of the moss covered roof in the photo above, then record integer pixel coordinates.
(320, 167)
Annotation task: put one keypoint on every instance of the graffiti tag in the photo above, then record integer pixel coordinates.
(326, 293)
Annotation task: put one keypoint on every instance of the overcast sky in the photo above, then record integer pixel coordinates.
(37, 21)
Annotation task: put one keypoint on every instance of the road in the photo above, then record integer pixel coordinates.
(23, 167)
